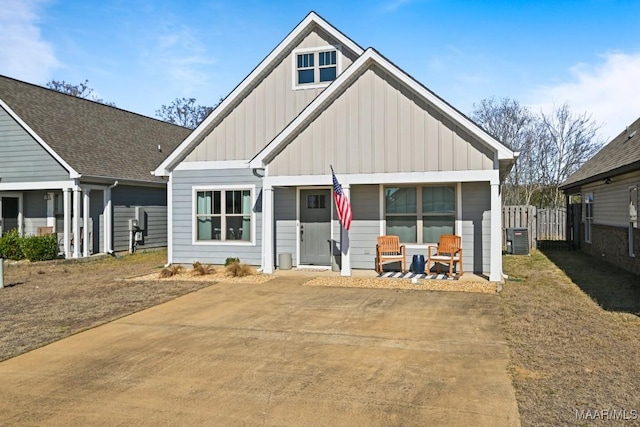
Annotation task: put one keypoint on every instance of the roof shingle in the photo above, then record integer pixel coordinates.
(94, 139)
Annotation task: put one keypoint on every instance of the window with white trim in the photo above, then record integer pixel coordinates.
(315, 67)
(223, 215)
(420, 214)
(633, 217)
(588, 216)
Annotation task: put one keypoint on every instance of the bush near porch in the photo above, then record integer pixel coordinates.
(34, 248)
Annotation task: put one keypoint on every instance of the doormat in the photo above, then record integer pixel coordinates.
(409, 275)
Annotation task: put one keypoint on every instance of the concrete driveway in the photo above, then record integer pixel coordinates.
(275, 354)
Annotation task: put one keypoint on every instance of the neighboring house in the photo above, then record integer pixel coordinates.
(80, 168)
(608, 186)
(253, 180)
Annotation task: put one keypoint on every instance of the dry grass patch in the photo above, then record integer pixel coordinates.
(47, 301)
(568, 354)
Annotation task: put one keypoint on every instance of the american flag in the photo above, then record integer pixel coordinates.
(342, 203)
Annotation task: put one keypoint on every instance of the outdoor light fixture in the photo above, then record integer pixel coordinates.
(607, 180)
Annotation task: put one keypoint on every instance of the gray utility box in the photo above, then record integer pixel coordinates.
(518, 241)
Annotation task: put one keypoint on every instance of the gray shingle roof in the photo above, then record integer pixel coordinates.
(620, 155)
(93, 138)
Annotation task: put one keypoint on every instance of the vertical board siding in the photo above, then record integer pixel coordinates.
(380, 126)
(476, 226)
(265, 110)
(284, 213)
(22, 158)
(184, 251)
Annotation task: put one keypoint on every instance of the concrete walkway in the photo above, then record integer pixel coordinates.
(275, 354)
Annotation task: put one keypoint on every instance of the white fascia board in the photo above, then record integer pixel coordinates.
(72, 173)
(470, 126)
(219, 112)
(490, 175)
(370, 55)
(37, 185)
(208, 165)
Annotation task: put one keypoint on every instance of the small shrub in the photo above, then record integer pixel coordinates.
(172, 270)
(200, 269)
(230, 261)
(10, 247)
(235, 269)
(39, 248)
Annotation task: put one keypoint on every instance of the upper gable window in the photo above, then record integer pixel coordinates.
(315, 67)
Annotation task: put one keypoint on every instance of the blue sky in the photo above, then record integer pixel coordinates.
(142, 54)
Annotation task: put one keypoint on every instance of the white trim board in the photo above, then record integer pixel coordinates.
(491, 176)
(36, 185)
(239, 92)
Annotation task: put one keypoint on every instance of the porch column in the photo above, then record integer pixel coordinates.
(345, 244)
(85, 224)
(76, 222)
(66, 229)
(106, 219)
(495, 275)
(267, 230)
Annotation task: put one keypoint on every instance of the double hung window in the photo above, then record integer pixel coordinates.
(420, 214)
(223, 215)
(318, 67)
(588, 216)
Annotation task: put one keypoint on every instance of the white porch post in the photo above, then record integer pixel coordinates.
(66, 229)
(85, 224)
(267, 229)
(76, 222)
(345, 244)
(106, 219)
(495, 275)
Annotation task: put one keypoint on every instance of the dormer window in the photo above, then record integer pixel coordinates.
(315, 67)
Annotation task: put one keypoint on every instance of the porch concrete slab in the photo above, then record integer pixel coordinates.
(275, 354)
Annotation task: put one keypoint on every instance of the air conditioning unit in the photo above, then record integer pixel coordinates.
(518, 241)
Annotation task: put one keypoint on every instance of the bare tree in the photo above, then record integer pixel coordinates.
(552, 146)
(184, 112)
(81, 90)
(519, 129)
(570, 140)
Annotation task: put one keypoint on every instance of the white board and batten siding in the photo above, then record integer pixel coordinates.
(22, 158)
(611, 201)
(265, 111)
(184, 251)
(379, 126)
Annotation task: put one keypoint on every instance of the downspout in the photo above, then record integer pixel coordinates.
(109, 220)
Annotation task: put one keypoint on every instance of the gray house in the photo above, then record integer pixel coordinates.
(81, 169)
(254, 181)
(608, 186)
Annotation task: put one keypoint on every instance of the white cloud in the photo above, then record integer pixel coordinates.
(609, 90)
(23, 53)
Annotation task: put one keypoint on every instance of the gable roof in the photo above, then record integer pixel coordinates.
(337, 87)
(311, 21)
(620, 155)
(90, 139)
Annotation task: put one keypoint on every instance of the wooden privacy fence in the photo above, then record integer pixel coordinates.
(542, 224)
